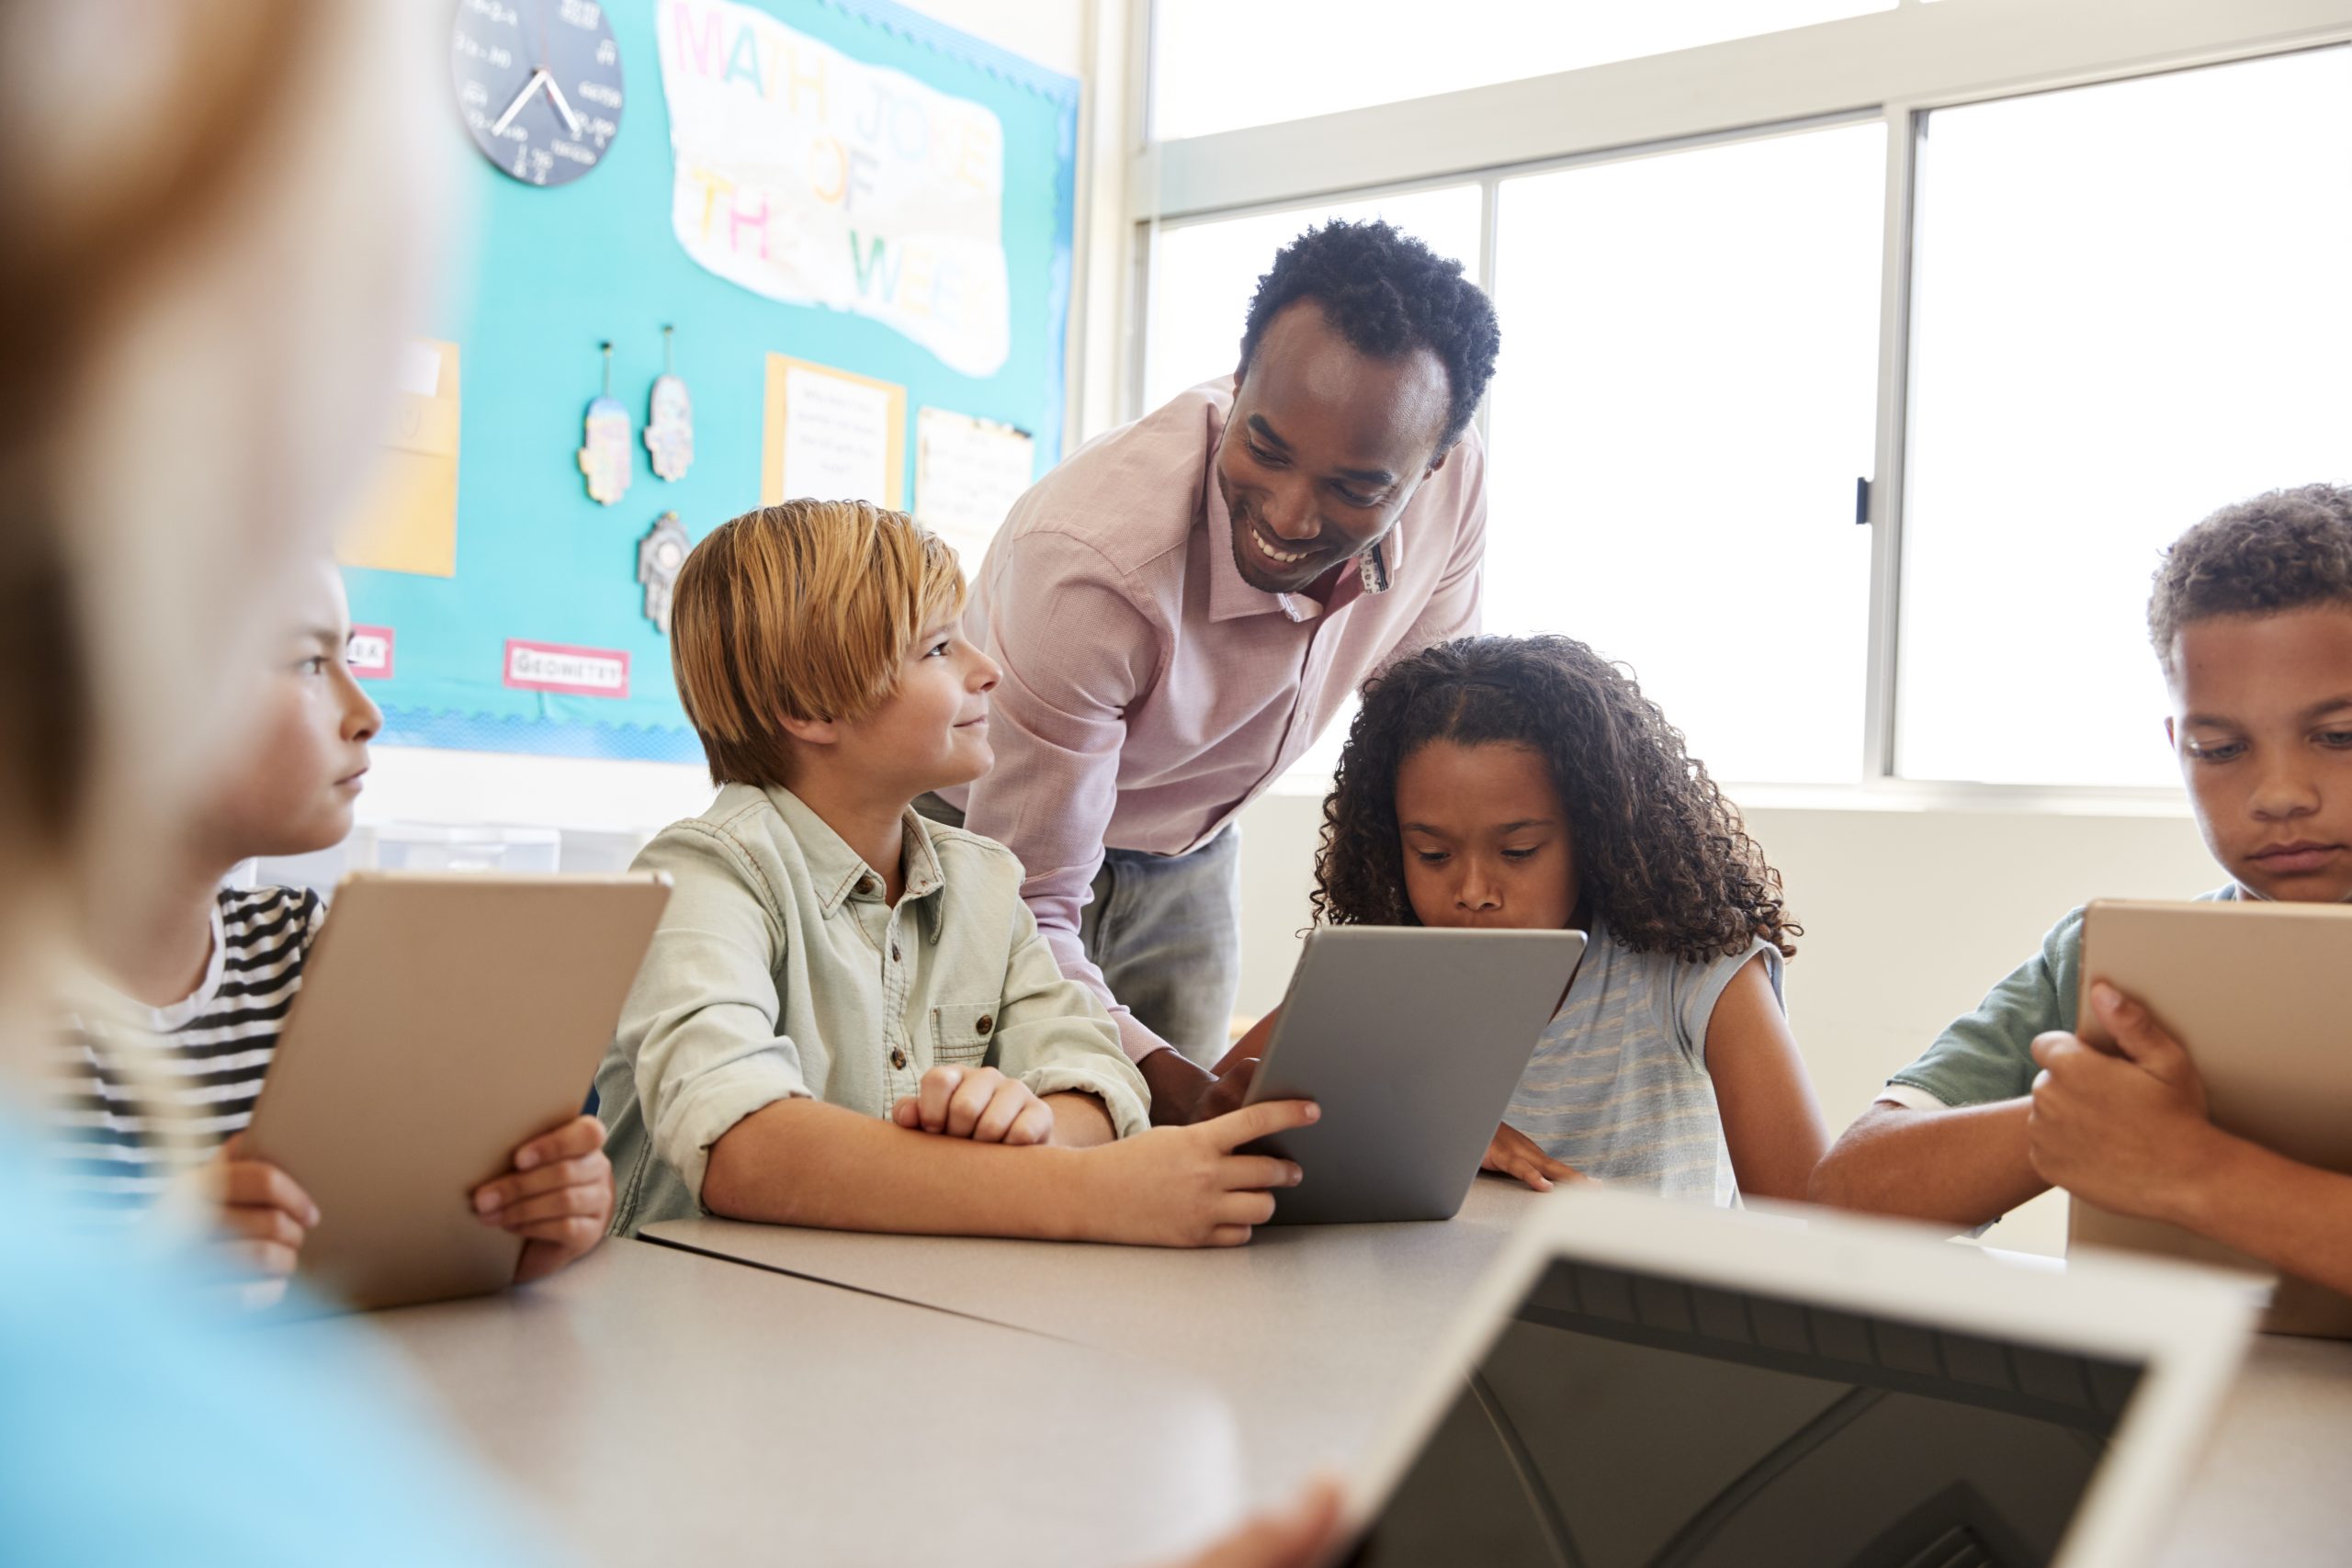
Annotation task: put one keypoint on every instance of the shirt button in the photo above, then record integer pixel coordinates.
(866, 885)
(894, 952)
(897, 1058)
(984, 1024)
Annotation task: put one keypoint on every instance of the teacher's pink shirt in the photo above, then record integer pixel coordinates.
(1149, 693)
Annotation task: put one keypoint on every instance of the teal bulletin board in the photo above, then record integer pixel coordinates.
(558, 271)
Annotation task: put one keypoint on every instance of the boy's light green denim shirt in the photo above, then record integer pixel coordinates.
(778, 970)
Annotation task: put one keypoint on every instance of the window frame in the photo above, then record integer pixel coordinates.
(1897, 66)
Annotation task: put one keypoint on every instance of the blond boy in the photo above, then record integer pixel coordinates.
(848, 1018)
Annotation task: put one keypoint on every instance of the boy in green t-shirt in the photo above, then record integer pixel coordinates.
(2252, 622)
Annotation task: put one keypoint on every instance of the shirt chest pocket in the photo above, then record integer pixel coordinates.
(962, 1033)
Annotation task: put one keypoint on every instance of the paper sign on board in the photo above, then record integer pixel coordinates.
(968, 472)
(575, 671)
(814, 179)
(369, 652)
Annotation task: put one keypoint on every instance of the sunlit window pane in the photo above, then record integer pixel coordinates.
(1221, 64)
(1203, 274)
(2130, 308)
(1686, 398)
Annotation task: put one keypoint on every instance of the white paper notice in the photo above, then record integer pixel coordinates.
(836, 438)
(968, 472)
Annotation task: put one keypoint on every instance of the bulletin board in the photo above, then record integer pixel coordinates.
(556, 272)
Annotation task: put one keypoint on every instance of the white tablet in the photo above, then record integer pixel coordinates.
(1639, 1383)
(1411, 1041)
(2257, 994)
(445, 1019)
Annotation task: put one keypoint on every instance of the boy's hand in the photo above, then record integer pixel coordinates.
(558, 1197)
(978, 1103)
(1513, 1153)
(2127, 1130)
(1185, 1186)
(266, 1212)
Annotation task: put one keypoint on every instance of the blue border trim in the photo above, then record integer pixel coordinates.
(451, 731)
(978, 53)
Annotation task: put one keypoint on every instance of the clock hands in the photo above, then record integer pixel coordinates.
(538, 78)
(554, 97)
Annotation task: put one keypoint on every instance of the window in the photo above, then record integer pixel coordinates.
(2122, 310)
(2128, 309)
(1205, 273)
(1686, 398)
(1222, 64)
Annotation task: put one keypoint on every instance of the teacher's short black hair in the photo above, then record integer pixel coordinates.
(1387, 293)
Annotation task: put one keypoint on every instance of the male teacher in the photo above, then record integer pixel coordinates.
(1180, 608)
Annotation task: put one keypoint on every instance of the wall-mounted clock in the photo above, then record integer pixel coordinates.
(539, 84)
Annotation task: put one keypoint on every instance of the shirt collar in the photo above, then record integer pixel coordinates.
(838, 874)
(1230, 594)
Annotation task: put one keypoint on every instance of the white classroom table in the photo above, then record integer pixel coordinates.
(654, 1407)
(1315, 1334)
(834, 1398)
(1312, 1332)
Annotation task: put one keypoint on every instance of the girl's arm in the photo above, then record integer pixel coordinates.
(1771, 1121)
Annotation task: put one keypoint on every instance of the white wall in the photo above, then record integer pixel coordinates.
(1910, 916)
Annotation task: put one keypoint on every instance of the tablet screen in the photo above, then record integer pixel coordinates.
(1635, 1421)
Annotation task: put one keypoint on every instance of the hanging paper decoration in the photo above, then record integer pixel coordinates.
(659, 556)
(606, 457)
(669, 424)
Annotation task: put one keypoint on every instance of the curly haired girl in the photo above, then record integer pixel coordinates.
(1527, 782)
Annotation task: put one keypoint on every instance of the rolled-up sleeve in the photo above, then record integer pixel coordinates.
(1075, 651)
(1055, 1036)
(699, 1028)
(1987, 1056)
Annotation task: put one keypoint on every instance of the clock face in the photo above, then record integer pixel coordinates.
(539, 84)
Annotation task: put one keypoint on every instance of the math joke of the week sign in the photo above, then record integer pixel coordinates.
(815, 179)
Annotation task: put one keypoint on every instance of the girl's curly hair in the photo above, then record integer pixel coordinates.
(1662, 856)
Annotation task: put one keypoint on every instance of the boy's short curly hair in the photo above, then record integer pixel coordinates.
(805, 610)
(1387, 293)
(2283, 550)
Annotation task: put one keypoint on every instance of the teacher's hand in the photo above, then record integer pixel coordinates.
(1183, 1092)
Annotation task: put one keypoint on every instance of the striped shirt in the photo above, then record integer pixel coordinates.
(1618, 1087)
(136, 1106)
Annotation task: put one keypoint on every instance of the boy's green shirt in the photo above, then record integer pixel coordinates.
(1988, 1054)
(779, 971)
